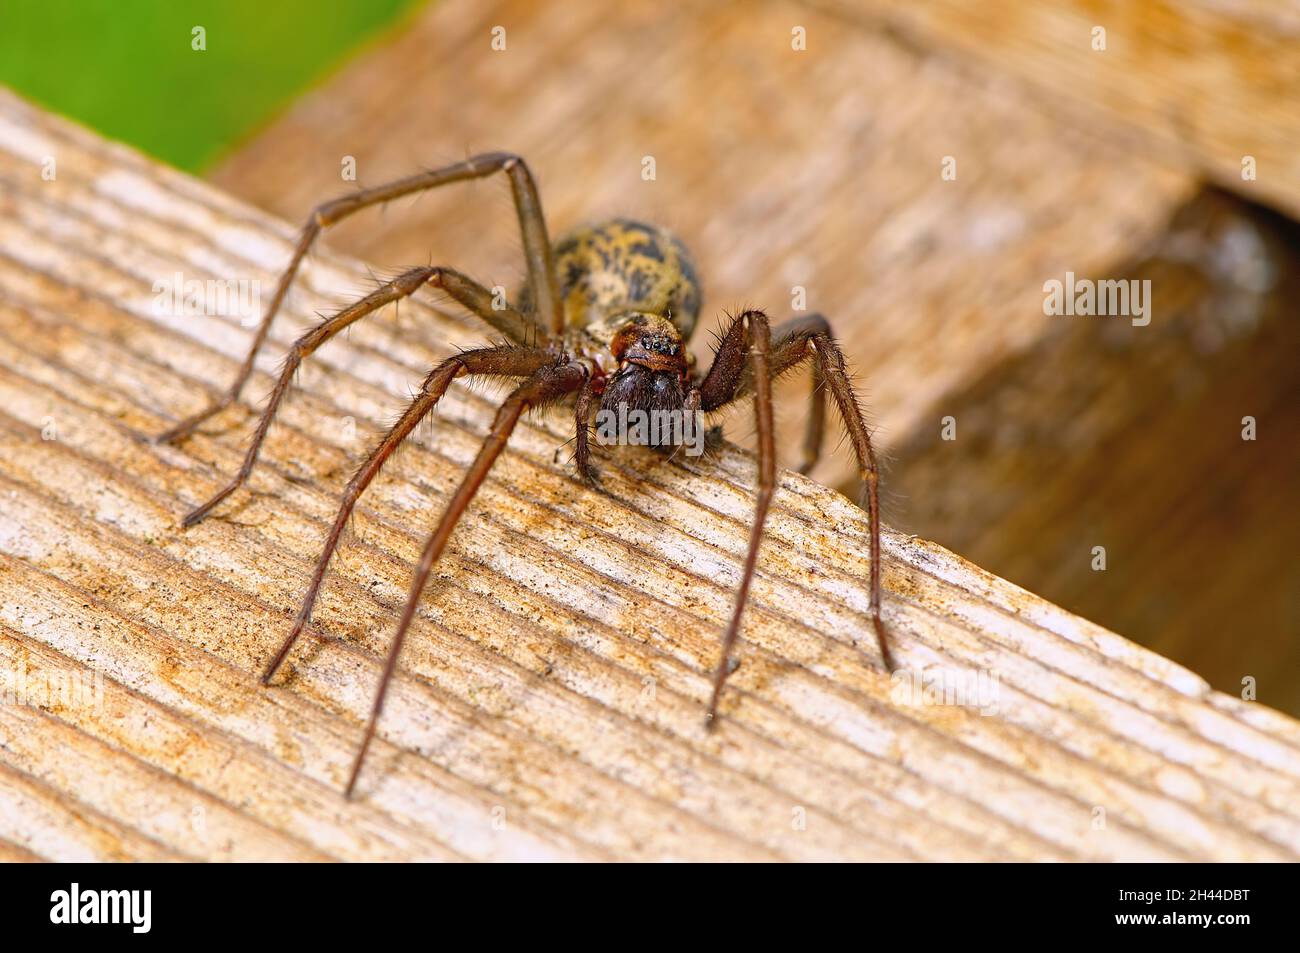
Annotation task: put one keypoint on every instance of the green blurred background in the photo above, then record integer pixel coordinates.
(128, 67)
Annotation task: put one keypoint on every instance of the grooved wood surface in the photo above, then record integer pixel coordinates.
(549, 703)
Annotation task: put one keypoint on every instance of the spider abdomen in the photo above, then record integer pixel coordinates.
(624, 266)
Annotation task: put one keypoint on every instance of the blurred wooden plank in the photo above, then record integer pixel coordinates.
(1202, 82)
(549, 703)
(820, 169)
(1144, 454)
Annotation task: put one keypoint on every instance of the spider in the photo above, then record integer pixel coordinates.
(603, 318)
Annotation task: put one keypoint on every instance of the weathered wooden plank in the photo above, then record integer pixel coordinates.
(1206, 85)
(1134, 439)
(550, 700)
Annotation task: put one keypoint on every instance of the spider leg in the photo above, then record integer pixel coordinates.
(830, 360)
(505, 361)
(516, 327)
(400, 287)
(746, 344)
(790, 349)
(582, 435)
(537, 253)
(730, 378)
(547, 384)
(815, 429)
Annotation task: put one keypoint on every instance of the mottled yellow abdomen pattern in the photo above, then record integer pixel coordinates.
(625, 266)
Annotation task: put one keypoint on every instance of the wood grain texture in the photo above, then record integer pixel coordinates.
(549, 703)
(820, 169)
(1200, 83)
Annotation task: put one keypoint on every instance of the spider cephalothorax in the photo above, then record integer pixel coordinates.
(651, 369)
(603, 319)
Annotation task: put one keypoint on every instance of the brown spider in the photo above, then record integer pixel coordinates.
(603, 317)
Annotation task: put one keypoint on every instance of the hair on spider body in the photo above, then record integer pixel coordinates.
(602, 320)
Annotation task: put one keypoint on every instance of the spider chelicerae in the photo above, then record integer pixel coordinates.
(603, 318)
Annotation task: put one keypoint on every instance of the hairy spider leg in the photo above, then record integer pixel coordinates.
(796, 338)
(544, 386)
(453, 282)
(538, 255)
(746, 343)
(731, 377)
(502, 361)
